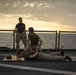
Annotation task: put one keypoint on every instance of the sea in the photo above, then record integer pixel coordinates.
(50, 41)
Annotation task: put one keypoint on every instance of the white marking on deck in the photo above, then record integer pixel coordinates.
(38, 69)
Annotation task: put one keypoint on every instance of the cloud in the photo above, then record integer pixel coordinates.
(62, 11)
(72, 15)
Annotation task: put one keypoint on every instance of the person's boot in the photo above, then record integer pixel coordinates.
(9, 57)
(68, 58)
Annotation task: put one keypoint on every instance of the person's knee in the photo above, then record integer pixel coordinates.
(26, 49)
(24, 42)
(17, 46)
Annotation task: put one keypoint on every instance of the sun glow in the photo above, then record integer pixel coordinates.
(9, 24)
(42, 25)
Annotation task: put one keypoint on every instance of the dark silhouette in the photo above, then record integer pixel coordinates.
(20, 33)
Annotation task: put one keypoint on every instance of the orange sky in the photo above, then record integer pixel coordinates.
(38, 25)
(40, 14)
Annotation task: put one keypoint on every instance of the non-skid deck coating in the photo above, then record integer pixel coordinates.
(36, 68)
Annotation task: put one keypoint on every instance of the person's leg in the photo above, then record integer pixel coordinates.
(57, 53)
(58, 58)
(44, 56)
(24, 40)
(41, 55)
(49, 57)
(40, 49)
(17, 41)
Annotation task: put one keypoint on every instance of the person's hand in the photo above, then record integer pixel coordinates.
(24, 32)
(38, 48)
(34, 55)
(15, 30)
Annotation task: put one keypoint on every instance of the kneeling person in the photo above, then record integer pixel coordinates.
(34, 41)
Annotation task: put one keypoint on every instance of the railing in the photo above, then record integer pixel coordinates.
(4, 35)
(51, 39)
(51, 33)
(46, 36)
(67, 39)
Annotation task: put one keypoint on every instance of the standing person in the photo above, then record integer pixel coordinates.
(34, 41)
(20, 33)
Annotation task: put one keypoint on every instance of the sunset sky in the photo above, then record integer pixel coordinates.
(40, 14)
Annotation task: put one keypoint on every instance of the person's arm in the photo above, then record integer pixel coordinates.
(16, 29)
(34, 55)
(40, 43)
(29, 43)
(24, 29)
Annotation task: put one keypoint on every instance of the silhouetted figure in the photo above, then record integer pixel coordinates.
(20, 33)
(34, 41)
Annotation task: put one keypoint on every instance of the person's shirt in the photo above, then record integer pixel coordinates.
(26, 55)
(20, 27)
(34, 38)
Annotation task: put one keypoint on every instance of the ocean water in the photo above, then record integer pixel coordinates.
(68, 41)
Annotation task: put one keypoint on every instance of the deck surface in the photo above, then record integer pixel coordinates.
(36, 68)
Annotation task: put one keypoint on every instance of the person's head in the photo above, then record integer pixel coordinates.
(31, 30)
(20, 19)
(19, 54)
